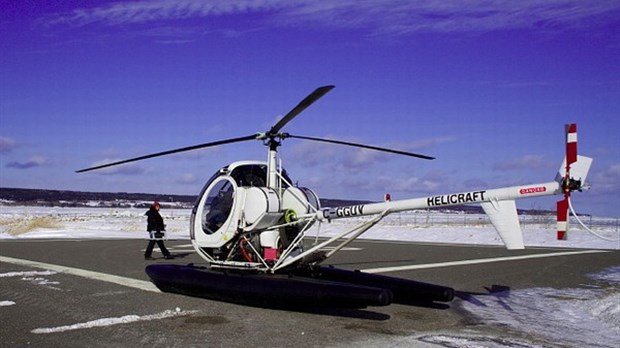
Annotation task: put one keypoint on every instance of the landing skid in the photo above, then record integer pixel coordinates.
(319, 287)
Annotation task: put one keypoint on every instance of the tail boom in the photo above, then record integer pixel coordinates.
(498, 204)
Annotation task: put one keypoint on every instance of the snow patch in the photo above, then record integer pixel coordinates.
(451, 341)
(26, 274)
(576, 317)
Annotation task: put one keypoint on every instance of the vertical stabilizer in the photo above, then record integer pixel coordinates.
(578, 170)
(503, 215)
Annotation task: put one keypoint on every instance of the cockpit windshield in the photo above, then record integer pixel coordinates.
(254, 175)
(218, 206)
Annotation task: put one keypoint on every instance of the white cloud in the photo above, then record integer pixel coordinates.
(606, 180)
(149, 11)
(361, 159)
(6, 144)
(311, 153)
(32, 162)
(410, 185)
(400, 17)
(525, 162)
(378, 17)
(187, 179)
(121, 169)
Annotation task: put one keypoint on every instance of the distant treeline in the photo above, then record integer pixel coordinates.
(59, 198)
(78, 198)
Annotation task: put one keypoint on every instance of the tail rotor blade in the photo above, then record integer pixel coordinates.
(307, 101)
(571, 144)
(562, 218)
(383, 149)
(169, 152)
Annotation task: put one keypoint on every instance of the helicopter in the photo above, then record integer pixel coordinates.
(250, 221)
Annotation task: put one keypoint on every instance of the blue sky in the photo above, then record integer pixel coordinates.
(484, 86)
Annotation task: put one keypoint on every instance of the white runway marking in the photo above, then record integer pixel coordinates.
(343, 249)
(172, 250)
(477, 261)
(184, 246)
(175, 248)
(133, 283)
(113, 321)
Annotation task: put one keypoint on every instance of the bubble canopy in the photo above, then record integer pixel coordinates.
(214, 208)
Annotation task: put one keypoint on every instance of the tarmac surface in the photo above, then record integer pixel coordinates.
(95, 293)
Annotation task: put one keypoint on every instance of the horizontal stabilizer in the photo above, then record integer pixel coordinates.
(578, 170)
(503, 215)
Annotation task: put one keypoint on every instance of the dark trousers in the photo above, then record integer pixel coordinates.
(160, 244)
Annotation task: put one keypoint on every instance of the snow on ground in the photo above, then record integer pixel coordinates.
(20, 222)
(50, 222)
(584, 317)
(587, 316)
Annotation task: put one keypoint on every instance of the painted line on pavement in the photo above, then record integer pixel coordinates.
(113, 321)
(132, 283)
(477, 261)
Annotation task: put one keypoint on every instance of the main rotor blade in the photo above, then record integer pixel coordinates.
(311, 98)
(362, 146)
(169, 152)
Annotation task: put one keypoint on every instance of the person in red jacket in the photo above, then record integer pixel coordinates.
(155, 226)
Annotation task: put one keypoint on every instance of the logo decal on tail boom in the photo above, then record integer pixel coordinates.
(456, 198)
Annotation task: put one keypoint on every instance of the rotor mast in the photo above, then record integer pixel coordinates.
(274, 132)
(272, 164)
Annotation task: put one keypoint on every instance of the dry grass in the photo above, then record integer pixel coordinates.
(22, 225)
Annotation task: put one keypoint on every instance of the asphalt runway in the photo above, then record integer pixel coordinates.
(95, 293)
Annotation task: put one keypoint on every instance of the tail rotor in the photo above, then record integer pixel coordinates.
(567, 182)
